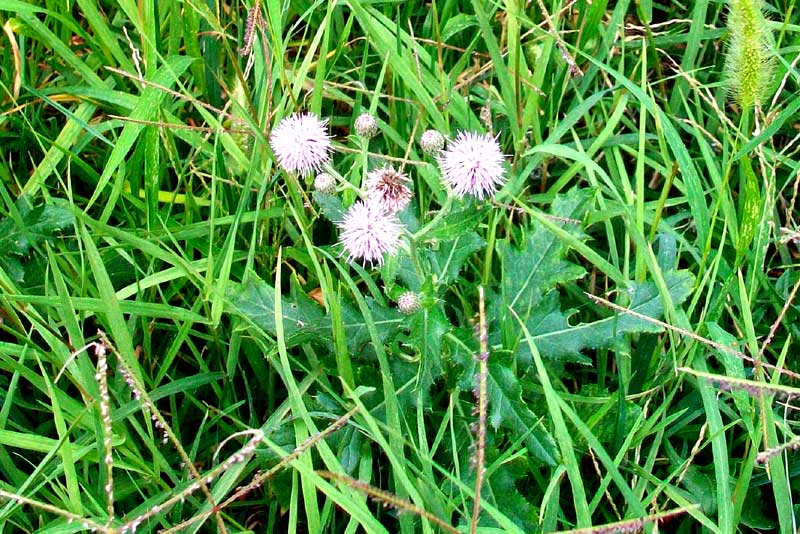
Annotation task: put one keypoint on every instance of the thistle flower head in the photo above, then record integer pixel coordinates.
(301, 143)
(366, 126)
(473, 165)
(386, 187)
(408, 302)
(368, 233)
(324, 183)
(431, 142)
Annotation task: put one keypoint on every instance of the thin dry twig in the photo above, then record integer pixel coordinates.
(689, 334)
(261, 477)
(176, 94)
(173, 126)
(574, 70)
(481, 394)
(387, 499)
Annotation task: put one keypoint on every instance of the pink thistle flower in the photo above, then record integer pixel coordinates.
(473, 165)
(386, 187)
(301, 143)
(368, 232)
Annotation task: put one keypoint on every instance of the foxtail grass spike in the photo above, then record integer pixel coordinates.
(750, 61)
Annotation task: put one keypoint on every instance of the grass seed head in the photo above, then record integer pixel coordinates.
(749, 63)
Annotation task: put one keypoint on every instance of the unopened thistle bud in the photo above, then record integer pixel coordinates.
(431, 142)
(366, 126)
(408, 303)
(324, 183)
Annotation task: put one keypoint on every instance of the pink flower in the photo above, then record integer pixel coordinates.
(386, 187)
(473, 165)
(368, 232)
(301, 143)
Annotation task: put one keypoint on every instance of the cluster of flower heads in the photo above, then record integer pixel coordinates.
(471, 165)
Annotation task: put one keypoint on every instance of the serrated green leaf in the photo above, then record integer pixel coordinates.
(539, 265)
(545, 320)
(303, 319)
(502, 487)
(449, 258)
(36, 226)
(331, 205)
(551, 333)
(508, 409)
(255, 300)
(30, 227)
(455, 224)
(13, 267)
(427, 329)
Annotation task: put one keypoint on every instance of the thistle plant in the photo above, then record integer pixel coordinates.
(749, 63)
(460, 267)
(386, 187)
(366, 126)
(431, 142)
(325, 183)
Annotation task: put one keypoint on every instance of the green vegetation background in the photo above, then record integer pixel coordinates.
(639, 269)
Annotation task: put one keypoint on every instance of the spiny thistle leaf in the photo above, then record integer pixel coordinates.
(556, 339)
(32, 227)
(303, 319)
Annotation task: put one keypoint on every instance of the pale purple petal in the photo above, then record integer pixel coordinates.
(473, 165)
(368, 233)
(386, 187)
(301, 143)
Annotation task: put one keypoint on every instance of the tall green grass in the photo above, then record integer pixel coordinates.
(640, 270)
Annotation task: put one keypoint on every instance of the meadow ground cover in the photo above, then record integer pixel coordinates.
(447, 266)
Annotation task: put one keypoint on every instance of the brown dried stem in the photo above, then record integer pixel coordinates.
(263, 476)
(387, 499)
(480, 452)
